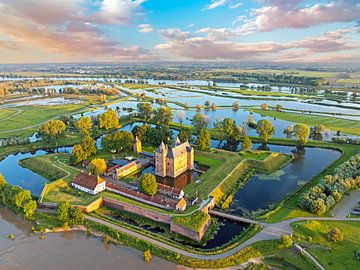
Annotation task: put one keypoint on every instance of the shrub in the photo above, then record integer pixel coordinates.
(286, 241)
(335, 235)
(147, 256)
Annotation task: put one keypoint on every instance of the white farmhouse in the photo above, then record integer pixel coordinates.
(88, 183)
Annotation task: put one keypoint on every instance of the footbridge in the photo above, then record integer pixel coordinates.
(233, 218)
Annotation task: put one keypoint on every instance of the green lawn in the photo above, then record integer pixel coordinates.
(336, 256)
(289, 259)
(6, 113)
(194, 222)
(348, 81)
(253, 154)
(47, 166)
(332, 123)
(31, 117)
(221, 163)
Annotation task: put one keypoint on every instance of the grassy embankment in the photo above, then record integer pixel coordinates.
(332, 255)
(335, 124)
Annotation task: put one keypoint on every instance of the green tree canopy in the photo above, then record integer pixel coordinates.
(30, 208)
(62, 211)
(265, 129)
(118, 141)
(163, 115)
(302, 131)
(52, 130)
(148, 184)
(203, 140)
(89, 145)
(2, 181)
(97, 166)
(247, 144)
(84, 124)
(185, 135)
(78, 154)
(109, 120)
(146, 111)
(200, 121)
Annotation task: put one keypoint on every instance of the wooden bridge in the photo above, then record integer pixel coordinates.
(232, 217)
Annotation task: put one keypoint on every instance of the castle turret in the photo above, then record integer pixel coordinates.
(160, 160)
(137, 145)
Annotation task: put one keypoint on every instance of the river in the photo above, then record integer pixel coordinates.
(70, 250)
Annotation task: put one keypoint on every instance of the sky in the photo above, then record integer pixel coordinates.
(284, 31)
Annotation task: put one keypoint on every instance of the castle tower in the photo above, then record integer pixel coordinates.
(137, 145)
(160, 160)
(190, 156)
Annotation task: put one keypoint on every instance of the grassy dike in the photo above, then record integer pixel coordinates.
(335, 124)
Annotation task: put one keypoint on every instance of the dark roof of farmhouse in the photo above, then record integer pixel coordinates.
(87, 180)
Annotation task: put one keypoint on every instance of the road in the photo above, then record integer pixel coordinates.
(269, 232)
(347, 203)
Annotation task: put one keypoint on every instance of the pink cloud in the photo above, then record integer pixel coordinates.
(64, 27)
(210, 48)
(277, 14)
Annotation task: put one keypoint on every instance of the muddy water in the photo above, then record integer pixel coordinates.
(64, 251)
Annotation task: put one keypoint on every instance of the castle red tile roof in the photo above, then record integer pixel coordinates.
(87, 180)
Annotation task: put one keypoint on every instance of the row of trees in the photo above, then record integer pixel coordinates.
(162, 115)
(331, 188)
(68, 215)
(17, 198)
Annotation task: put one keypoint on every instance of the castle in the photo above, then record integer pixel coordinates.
(175, 160)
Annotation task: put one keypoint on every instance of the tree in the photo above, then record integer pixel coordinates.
(30, 208)
(76, 216)
(265, 129)
(84, 124)
(181, 115)
(3, 182)
(185, 135)
(318, 207)
(335, 235)
(148, 184)
(203, 140)
(213, 106)
(198, 107)
(62, 212)
(78, 154)
(118, 141)
(302, 131)
(286, 241)
(279, 107)
(147, 256)
(318, 129)
(163, 115)
(146, 111)
(22, 197)
(97, 166)
(207, 104)
(236, 105)
(89, 146)
(52, 130)
(200, 121)
(264, 106)
(231, 131)
(141, 132)
(247, 144)
(109, 120)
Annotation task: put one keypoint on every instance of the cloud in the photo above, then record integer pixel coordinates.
(118, 11)
(239, 19)
(214, 47)
(216, 3)
(145, 28)
(278, 14)
(65, 27)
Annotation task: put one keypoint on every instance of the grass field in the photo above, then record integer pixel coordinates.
(295, 73)
(336, 256)
(348, 81)
(26, 122)
(332, 123)
(289, 259)
(5, 114)
(221, 164)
